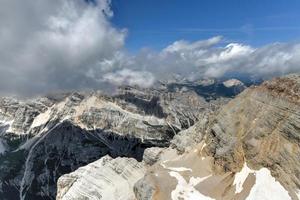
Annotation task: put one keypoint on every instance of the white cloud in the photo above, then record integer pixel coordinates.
(130, 77)
(183, 45)
(70, 44)
(212, 58)
(50, 45)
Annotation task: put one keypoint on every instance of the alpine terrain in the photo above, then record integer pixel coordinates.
(207, 139)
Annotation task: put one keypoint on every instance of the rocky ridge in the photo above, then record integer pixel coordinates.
(176, 141)
(249, 150)
(44, 138)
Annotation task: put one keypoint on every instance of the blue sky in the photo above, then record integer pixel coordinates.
(157, 23)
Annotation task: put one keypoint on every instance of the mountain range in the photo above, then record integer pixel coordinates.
(204, 139)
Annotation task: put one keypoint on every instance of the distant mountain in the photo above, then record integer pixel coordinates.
(209, 88)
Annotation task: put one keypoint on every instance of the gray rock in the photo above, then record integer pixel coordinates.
(144, 190)
(261, 126)
(152, 155)
(189, 138)
(106, 178)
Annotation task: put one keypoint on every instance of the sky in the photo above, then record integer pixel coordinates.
(61, 45)
(157, 23)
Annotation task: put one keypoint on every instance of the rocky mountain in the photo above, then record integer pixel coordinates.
(250, 150)
(178, 140)
(209, 88)
(43, 138)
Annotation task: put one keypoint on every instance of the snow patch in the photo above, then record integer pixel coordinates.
(179, 169)
(187, 191)
(267, 188)
(298, 194)
(241, 177)
(9, 123)
(41, 119)
(176, 169)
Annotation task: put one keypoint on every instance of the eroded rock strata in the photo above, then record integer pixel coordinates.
(106, 178)
(250, 150)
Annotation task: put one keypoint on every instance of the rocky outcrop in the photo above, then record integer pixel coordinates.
(152, 155)
(261, 126)
(235, 85)
(106, 178)
(187, 139)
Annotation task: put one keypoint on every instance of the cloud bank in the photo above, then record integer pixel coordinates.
(51, 45)
(71, 44)
(214, 58)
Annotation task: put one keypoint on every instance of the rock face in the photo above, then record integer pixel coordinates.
(19, 114)
(250, 150)
(181, 108)
(187, 139)
(42, 139)
(261, 126)
(106, 178)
